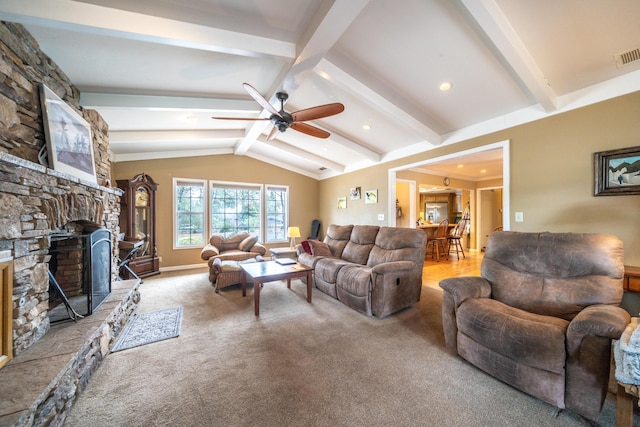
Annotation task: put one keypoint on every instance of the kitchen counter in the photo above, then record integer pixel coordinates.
(429, 229)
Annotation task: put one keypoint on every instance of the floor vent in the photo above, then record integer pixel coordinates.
(626, 58)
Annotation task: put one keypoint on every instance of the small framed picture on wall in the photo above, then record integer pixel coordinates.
(354, 193)
(371, 196)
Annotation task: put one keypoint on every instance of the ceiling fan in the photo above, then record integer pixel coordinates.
(282, 120)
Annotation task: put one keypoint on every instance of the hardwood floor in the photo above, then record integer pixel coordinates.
(434, 271)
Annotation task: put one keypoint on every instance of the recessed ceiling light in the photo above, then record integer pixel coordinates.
(444, 86)
(367, 126)
(483, 171)
(460, 166)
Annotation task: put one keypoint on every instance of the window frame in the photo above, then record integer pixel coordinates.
(285, 222)
(208, 186)
(205, 207)
(237, 185)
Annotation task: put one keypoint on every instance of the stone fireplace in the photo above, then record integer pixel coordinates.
(38, 207)
(38, 204)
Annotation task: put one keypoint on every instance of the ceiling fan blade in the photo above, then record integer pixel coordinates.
(274, 132)
(260, 99)
(240, 118)
(317, 112)
(310, 130)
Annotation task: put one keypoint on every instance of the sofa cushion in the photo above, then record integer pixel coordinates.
(362, 239)
(527, 338)
(554, 274)
(398, 244)
(327, 268)
(232, 242)
(248, 243)
(355, 280)
(337, 238)
(319, 248)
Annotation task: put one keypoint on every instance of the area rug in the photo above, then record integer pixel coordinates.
(151, 327)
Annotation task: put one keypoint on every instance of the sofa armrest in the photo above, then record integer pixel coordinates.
(599, 320)
(394, 266)
(209, 251)
(462, 288)
(589, 338)
(216, 266)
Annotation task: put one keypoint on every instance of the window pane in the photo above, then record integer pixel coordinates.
(276, 213)
(235, 208)
(189, 216)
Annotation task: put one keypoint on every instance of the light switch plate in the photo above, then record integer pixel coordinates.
(519, 217)
(380, 217)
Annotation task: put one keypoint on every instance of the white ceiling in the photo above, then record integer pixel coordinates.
(158, 70)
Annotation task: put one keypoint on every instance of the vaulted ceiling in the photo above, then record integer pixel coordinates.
(158, 70)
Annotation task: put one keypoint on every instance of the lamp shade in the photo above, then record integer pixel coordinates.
(294, 232)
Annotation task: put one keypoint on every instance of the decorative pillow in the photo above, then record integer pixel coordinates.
(232, 242)
(216, 240)
(319, 248)
(248, 243)
(306, 246)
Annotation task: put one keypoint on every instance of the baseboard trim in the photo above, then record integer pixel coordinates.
(183, 267)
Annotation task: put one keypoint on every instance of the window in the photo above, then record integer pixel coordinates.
(276, 213)
(260, 210)
(235, 208)
(189, 203)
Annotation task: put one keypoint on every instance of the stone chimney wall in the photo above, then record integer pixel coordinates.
(36, 201)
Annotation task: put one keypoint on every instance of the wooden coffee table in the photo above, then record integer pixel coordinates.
(269, 271)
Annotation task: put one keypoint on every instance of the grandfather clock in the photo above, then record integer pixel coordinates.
(138, 221)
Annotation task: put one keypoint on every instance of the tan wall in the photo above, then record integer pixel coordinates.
(357, 212)
(552, 175)
(302, 192)
(403, 196)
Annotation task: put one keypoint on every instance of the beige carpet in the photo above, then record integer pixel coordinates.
(299, 364)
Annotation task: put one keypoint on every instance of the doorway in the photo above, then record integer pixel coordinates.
(489, 214)
(477, 230)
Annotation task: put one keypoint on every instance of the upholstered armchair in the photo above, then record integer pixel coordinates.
(542, 315)
(238, 247)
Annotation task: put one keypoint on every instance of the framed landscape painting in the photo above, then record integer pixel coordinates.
(617, 172)
(68, 135)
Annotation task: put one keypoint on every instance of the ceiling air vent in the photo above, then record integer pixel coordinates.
(628, 57)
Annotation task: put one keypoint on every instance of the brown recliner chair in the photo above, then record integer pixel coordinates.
(542, 316)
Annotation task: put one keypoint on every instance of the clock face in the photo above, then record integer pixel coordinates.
(446, 181)
(142, 197)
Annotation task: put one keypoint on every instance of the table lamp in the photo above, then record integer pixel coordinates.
(293, 233)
